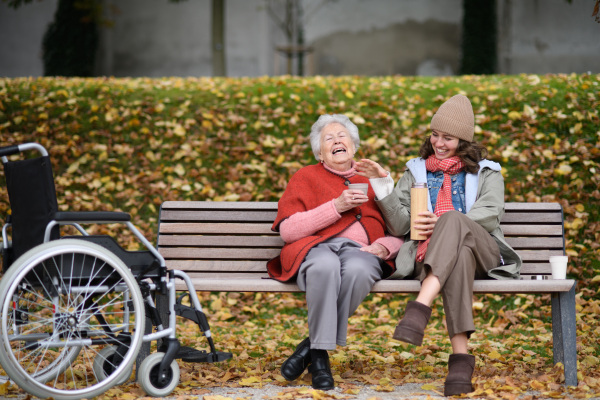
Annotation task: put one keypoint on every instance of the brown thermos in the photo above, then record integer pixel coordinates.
(418, 203)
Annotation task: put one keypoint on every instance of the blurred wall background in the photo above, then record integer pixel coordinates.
(337, 37)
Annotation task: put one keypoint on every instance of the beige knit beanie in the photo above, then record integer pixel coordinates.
(455, 117)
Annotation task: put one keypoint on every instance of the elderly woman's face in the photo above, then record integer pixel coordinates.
(337, 148)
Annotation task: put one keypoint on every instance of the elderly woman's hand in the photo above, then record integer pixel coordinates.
(378, 249)
(349, 199)
(370, 169)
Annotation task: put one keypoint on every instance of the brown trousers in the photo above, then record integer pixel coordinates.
(460, 251)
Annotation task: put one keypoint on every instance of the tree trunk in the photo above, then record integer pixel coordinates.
(218, 37)
(70, 43)
(479, 53)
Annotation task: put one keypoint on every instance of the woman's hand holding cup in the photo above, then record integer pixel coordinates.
(425, 222)
(349, 199)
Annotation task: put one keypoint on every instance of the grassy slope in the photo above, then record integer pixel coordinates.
(129, 144)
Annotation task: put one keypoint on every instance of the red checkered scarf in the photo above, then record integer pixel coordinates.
(449, 166)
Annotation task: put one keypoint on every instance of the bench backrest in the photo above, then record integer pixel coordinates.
(234, 239)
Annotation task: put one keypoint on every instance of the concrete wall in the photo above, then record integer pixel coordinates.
(409, 37)
(365, 37)
(545, 36)
(159, 38)
(21, 33)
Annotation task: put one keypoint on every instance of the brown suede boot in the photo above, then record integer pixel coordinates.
(412, 327)
(460, 372)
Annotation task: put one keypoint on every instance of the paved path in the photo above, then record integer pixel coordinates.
(408, 391)
(413, 391)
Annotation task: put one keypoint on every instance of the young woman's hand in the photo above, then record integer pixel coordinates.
(425, 223)
(370, 169)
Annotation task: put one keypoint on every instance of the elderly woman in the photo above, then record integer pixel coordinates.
(336, 245)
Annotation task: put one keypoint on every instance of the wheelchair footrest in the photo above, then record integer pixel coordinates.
(189, 354)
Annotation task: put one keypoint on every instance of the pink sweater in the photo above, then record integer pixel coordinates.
(306, 223)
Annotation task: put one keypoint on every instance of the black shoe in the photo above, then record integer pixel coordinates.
(321, 371)
(293, 367)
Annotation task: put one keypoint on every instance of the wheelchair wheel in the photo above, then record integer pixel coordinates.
(103, 365)
(149, 380)
(62, 303)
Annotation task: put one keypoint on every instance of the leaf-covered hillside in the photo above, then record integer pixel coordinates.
(130, 144)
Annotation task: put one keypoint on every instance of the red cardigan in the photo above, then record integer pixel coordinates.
(308, 188)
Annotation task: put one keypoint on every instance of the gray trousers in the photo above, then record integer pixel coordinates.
(459, 252)
(336, 277)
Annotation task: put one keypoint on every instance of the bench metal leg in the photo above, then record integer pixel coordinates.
(564, 333)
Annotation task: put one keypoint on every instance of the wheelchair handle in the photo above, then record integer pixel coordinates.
(18, 148)
(9, 150)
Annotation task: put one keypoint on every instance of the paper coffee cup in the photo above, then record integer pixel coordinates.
(559, 266)
(364, 187)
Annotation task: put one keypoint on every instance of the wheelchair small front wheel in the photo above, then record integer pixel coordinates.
(148, 376)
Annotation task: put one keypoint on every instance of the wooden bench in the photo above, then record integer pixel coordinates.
(224, 246)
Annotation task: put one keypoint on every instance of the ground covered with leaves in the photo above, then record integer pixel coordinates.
(130, 144)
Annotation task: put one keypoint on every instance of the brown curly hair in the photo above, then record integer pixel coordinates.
(469, 152)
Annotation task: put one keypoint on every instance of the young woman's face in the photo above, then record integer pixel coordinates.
(444, 145)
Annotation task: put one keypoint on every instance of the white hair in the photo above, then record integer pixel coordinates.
(322, 122)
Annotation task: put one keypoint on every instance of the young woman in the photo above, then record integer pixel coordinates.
(464, 241)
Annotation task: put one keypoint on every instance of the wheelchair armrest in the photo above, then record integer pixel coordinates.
(91, 216)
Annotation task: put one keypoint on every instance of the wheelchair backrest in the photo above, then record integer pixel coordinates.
(32, 196)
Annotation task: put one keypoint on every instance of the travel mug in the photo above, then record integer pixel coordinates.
(418, 203)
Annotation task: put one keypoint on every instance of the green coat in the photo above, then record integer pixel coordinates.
(487, 210)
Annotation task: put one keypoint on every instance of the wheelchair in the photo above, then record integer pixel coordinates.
(74, 308)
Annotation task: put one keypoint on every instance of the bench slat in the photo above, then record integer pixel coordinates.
(217, 228)
(268, 253)
(258, 266)
(385, 286)
(220, 241)
(220, 205)
(518, 243)
(269, 216)
(527, 218)
(221, 216)
(532, 230)
(276, 241)
(272, 205)
(252, 266)
(538, 255)
(536, 268)
(265, 229)
(219, 253)
(531, 207)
